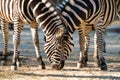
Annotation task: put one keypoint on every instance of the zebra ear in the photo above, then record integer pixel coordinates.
(59, 32)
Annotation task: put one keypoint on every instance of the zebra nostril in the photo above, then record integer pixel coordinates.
(57, 66)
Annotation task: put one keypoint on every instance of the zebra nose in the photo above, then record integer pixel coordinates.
(57, 66)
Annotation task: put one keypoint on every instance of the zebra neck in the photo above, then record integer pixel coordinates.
(62, 8)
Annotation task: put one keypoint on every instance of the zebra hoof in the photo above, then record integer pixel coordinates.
(3, 63)
(13, 68)
(85, 65)
(80, 65)
(103, 67)
(18, 64)
(42, 67)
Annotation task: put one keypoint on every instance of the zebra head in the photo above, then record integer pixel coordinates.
(58, 47)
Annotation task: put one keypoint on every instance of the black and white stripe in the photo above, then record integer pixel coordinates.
(84, 15)
(15, 12)
(42, 12)
(118, 7)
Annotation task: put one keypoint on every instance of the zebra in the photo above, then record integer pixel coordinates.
(8, 18)
(108, 18)
(42, 13)
(84, 16)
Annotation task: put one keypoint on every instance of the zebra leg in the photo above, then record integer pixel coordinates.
(16, 41)
(34, 31)
(96, 56)
(5, 33)
(81, 62)
(101, 48)
(87, 42)
(88, 29)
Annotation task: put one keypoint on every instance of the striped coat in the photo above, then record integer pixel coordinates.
(33, 12)
(85, 15)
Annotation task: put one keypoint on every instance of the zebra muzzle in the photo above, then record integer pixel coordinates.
(57, 66)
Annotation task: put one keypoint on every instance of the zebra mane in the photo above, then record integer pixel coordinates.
(62, 19)
(60, 15)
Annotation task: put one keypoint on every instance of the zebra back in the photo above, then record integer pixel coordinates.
(11, 8)
(77, 12)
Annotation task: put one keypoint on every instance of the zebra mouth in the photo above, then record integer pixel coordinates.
(57, 66)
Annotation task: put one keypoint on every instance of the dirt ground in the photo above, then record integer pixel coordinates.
(31, 71)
